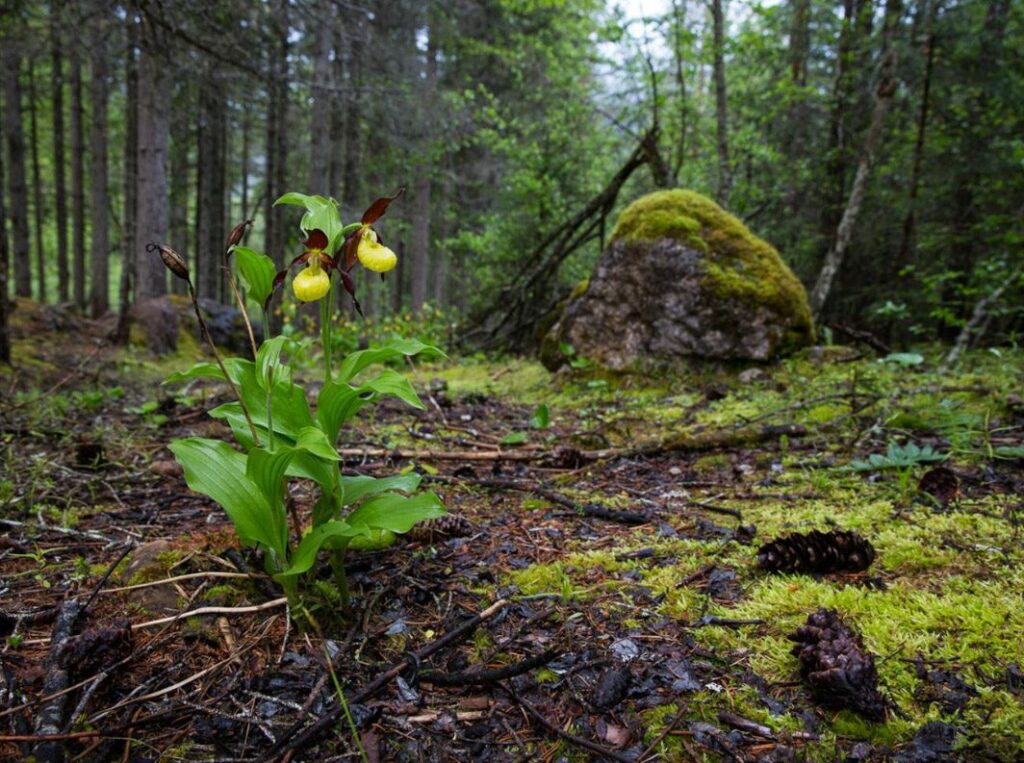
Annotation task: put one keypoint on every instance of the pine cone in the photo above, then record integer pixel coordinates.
(840, 673)
(448, 526)
(834, 551)
(941, 484)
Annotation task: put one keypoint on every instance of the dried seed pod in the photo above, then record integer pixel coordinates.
(941, 484)
(834, 551)
(235, 236)
(840, 673)
(172, 260)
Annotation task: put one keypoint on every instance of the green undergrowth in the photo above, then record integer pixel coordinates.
(947, 586)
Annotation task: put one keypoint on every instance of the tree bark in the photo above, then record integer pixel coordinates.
(799, 41)
(60, 186)
(99, 250)
(320, 128)
(5, 266)
(210, 191)
(421, 254)
(678, 24)
(37, 188)
(910, 218)
(77, 180)
(884, 93)
(129, 162)
(18, 190)
(181, 143)
(721, 105)
(154, 95)
(277, 143)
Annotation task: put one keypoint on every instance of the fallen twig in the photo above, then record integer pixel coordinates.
(579, 741)
(50, 719)
(487, 676)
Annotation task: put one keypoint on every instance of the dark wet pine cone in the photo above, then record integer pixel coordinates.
(448, 526)
(834, 551)
(941, 484)
(839, 672)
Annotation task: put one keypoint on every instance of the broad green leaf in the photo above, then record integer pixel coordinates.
(339, 402)
(355, 362)
(267, 469)
(268, 358)
(215, 469)
(313, 440)
(541, 417)
(360, 486)
(257, 271)
(374, 541)
(300, 200)
(305, 555)
(514, 438)
(203, 370)
(396, 513)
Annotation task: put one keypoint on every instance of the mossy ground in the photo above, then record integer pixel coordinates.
(945, 591)
(947, 587)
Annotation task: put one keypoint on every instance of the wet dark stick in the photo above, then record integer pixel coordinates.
(490, 676)
(50, 719)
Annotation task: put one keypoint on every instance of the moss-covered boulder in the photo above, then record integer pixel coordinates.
(682, 278)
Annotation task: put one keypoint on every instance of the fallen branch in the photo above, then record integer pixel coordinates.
(292, 739)
(487, 676)
(50, 719)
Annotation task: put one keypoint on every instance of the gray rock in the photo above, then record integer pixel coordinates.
(682, 279)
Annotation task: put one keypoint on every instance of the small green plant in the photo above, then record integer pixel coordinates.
(280, 437)
(896, 456)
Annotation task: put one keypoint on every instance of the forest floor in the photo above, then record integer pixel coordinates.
(624, 615)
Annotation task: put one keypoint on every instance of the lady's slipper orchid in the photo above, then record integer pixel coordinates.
(362, 245)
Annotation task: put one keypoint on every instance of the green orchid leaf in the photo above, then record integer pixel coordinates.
(268, 358)
(396, 513)
(203, 370)
(256, 271)
(339, 402)
(300, 200)
(359, 486)
(216, 470)
(356, 362)
(305, 555)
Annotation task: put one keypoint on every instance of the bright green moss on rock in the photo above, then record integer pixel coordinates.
(739, 265)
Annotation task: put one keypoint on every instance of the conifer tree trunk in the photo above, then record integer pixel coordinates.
(884, 93)
(60, 187)
(130, 165)
(18, 190)
(154, 95)
(77, 180)
(320, 129)
(181, 140)
(721, 105)
(421, 254)
(37, 188)
(99, 248)
(5, 266)
(210, 187)
(277, 143)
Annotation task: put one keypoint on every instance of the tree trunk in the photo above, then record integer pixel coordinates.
(320, 128)
(678, 24)
(77, 180)
(18, 202)
(5, 266)
(181, 143)
(129, 166)
(244, 162)
(910, 218)
(799, 41)
(884, 93)
(721, 106)
(60, 187)
(421, 255)
(277, 143)
(154, 96)
(99, 252)
(37, 187)
(210, 191)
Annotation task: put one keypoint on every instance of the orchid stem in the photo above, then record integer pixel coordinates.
(325, 332)
(270, 390)
(220, 363)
